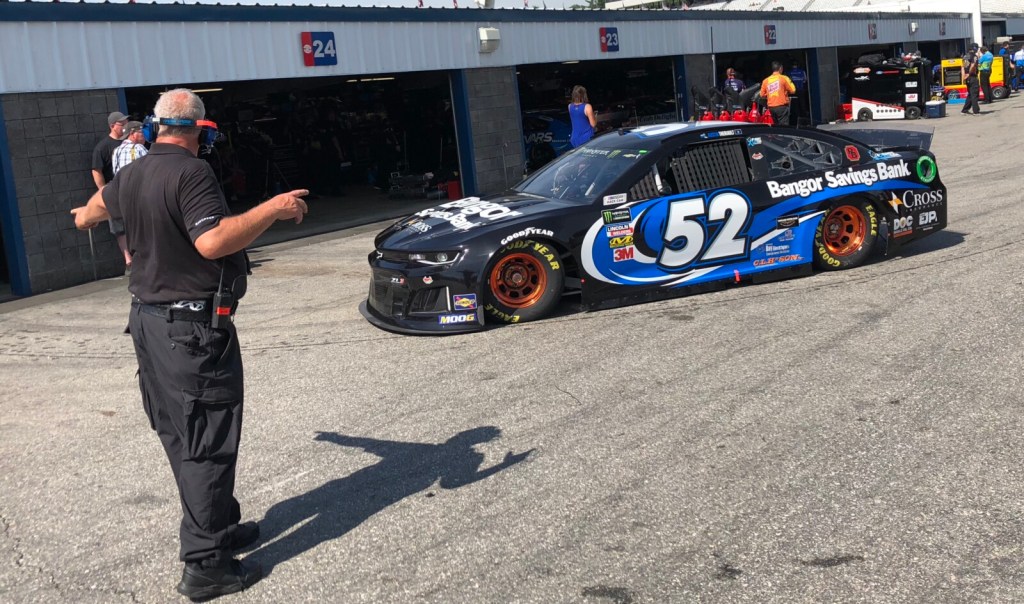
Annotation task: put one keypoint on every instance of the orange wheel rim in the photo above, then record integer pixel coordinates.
(844, 230)
(518, 280)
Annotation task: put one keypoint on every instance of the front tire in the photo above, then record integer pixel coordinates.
(912, 112)
(524, 283)
(846, 235)
(864, 115)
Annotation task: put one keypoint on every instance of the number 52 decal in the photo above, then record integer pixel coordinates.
(687, 230)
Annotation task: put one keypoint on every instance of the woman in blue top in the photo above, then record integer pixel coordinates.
(581, 115)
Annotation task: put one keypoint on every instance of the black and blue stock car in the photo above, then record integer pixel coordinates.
(655, 212)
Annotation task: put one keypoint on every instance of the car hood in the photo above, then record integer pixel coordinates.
(450, 224)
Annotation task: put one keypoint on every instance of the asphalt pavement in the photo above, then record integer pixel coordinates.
(844, 437)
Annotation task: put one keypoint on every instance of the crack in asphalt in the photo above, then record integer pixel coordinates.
(48, 577)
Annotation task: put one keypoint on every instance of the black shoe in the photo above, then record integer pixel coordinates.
(244, 535)
(200, 583)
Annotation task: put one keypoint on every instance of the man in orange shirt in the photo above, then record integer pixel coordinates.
(776, 89)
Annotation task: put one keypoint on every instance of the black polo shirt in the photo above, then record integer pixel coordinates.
(167, 199)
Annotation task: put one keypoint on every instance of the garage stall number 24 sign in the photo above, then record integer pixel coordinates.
(318, 48)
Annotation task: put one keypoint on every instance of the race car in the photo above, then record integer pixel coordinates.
(655, 212)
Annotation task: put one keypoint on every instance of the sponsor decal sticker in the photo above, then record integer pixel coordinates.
(778, 260)
(912, 98)
(614, 200)
(615, 216)
(527, 232)
(464, 301)
(428, 280)
(398, 281)
(926, 169)
(895, 203)
(757, 156)
(918, 200)
(456, 319)
(616, 242)
(884, 156)
(833, 179)
(418, 225)
(775, 250)
(927, 220)
(623, 253)
(787, 222)
(860, 70)
(465, 214)
(753, 141)
(852, 153)
(618, 230)
(903, 226)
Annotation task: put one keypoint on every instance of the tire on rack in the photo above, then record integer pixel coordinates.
(524, 282)
(846, 235)
(912, 112)
(864, 115)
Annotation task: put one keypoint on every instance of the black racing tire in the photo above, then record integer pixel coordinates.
(865, 115)
(524, 282)
(912, 112)
(846, 235)
(1000, 92)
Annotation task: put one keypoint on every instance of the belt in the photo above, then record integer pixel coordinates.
(185, 310)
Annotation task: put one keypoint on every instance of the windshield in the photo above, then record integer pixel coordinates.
(585, 172)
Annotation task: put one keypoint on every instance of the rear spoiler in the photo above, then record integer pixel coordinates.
(881, 138)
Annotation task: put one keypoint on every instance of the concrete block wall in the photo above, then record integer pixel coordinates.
(50, 137)
(497, 128)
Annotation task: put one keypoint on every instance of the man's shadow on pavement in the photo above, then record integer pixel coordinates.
(340, 505)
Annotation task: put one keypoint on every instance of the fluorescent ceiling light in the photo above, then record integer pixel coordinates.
(201, 90)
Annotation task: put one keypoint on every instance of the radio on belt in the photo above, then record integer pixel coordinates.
(223, 301)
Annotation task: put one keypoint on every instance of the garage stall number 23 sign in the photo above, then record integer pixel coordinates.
(318, 48)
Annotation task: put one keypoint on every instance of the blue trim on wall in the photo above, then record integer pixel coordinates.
(10, 217)
(464, 131)
(82, 11)
(122, 103)
(814, 87)
(682, 90)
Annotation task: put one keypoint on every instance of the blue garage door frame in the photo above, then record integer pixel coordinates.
(10, 218)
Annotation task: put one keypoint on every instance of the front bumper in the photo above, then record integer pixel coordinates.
(422, 300)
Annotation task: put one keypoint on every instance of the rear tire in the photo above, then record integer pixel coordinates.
(1000, 92)
(912, 113)
(524, 283)
(864, 115)
(846, 235)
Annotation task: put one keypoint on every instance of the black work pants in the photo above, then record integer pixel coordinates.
(972, 96)
(780, 115)
(986, 86)
(191, 380)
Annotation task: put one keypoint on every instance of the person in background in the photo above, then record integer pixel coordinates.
(1018, 68)
(131, 148)
(731, 81)
(985, 72)
(799, 77)
(1007, 56)
(103, 172)
(969, 76)
(776, 89)
(581, 115)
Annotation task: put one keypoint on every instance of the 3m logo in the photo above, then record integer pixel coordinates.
(623, 253)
